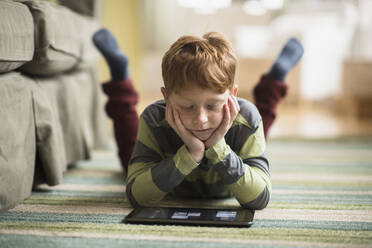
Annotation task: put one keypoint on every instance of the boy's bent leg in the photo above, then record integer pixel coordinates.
(271, 89)
(267, 94)
(122, 98)
(117, 61)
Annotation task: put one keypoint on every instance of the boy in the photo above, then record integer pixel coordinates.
(201, 140)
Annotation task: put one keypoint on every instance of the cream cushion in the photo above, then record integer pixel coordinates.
(16, 35)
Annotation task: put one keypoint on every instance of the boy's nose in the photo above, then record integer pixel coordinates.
(201, 118)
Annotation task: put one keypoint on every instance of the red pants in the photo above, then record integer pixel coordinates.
(122, 98)
(267, 95)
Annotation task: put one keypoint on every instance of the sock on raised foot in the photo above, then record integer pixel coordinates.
(117, 61)
(287, 59)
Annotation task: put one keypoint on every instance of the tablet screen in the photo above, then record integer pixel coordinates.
(191, 216)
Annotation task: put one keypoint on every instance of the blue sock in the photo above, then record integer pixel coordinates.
(117, 61)
(287, 59)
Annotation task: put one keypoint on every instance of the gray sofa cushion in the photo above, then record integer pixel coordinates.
(65, 97)
(58, 41)
(16, 35)
(89, 53)
(51, 154)
(77, 102)
(84, 7)
(54, 121)
(17, 139)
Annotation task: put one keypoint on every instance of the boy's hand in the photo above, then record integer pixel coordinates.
(231, 110)
(194, 145)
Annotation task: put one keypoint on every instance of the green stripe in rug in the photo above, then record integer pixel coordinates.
(92, 181)
(77, 193)
(324, 167)
(225, 203)
(359, 199)
(76, 200)
(22, 217)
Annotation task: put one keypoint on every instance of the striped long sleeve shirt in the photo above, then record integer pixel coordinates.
(234, 166)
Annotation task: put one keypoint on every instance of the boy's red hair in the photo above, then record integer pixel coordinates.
(207, 61)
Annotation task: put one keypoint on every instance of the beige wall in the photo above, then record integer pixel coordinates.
(122, 17)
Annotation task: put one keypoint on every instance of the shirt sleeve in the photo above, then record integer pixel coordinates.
(151, 175)
(246, 174)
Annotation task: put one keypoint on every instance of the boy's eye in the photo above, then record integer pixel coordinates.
(187, 107)
(211, 107)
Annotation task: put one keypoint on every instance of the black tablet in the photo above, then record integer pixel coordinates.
(191, 216)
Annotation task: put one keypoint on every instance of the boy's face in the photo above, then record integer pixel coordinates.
(201, 110)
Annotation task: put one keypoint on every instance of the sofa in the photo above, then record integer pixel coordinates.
(51, 104)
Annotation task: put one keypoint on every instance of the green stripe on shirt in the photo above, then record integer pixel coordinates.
(255, 145)
(147, 138)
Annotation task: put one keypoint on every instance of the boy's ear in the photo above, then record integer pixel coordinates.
(164, 92)
(235, 90)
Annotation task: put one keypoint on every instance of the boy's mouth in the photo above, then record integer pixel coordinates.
(203, 134)
(202, 130)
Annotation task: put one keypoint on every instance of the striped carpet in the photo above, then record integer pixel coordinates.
(322, 197)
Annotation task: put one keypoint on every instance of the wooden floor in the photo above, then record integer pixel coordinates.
(319, 123)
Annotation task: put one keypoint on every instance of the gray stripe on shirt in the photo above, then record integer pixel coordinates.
(260, 162)
(167, 139)
(230, 169)
(260, 202)
(143, 154)
(237, 136)
(250, 112)
(166, 175)
(200, 189)
(154, 113)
